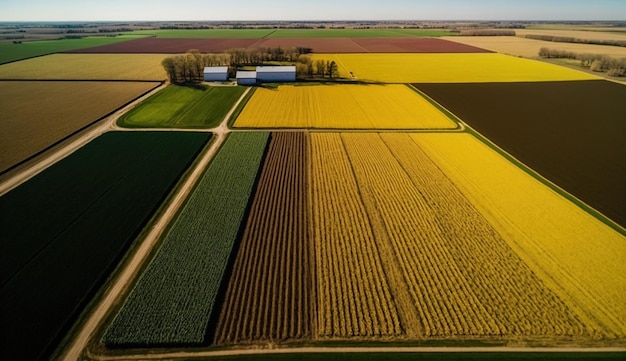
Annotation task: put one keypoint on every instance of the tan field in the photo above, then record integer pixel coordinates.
(580, 34)
(36, 114)
(529, 48)
(87, 67)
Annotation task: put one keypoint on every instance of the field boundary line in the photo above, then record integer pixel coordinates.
(106, 124)
(343, 350)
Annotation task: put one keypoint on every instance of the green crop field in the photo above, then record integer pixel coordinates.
(178, 106)
(173, 300)
(355, 33)
(13, 52)
(64, 230)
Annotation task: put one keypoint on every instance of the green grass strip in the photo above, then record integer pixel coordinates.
(172, 302)
(177, 106)
(29, 49)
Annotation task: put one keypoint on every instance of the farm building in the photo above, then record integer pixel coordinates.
(246, 77)
(276, 73)
(216, 73)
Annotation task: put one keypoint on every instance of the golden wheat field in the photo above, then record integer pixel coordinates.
(405, 249)
(87, 67)
(577, 256)
(341, 106)
(448, 68)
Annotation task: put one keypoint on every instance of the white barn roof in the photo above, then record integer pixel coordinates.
(246, 74)
(276, 69)
(215, 69)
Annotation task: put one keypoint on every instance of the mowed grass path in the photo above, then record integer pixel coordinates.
(448, 68)
(13, 52)
(341, 107)
(178, 106)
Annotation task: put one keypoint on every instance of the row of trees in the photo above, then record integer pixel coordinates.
(567, 39)
(189, 67)
(595, 62)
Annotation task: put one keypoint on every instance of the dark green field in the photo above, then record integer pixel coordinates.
(570, 132)
(64, 230)
(178, 106)
(12, 52)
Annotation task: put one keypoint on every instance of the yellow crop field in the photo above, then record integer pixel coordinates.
(581, 259)
(341, 106)
(382, 205)
(354, 291)
(448, 68)
(87, 67)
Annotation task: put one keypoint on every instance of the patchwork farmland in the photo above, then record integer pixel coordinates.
(435, 194)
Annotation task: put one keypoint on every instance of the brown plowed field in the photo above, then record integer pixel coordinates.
(318, 45)
(270, 295)
(415, 45)
(572, 133)
(169, 46)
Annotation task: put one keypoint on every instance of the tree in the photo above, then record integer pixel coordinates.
(332, 69)
(320, 67)
(169, 64)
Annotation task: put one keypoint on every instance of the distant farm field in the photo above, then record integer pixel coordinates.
(174, 299)
(87, 67)
(183, 107)
(341, 106)
(37, 114)
(290, 33)
(355, 33)
(29, 49)
(64, 230)
(570, 132)
(529, 48)
(448, 68)
(409, 44)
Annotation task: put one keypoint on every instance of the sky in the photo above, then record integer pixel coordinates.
(127, 10)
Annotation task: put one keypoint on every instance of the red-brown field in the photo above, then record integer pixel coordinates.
(318, 45)
(169, 46)
(570, 132)
(270, 295)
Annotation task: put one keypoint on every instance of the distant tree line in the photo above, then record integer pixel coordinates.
(595, 62)
(189, 67)
(567, 39)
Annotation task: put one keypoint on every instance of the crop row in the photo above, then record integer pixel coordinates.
(271, 289)
(64, 230)
(174, 298)
(450, 258)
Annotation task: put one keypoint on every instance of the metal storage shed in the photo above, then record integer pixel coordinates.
(216, 73)
(276, 73)
(246, 77)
